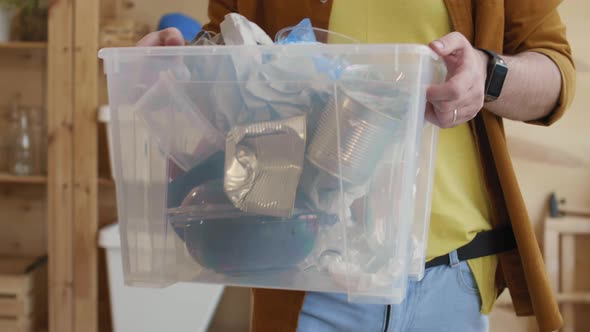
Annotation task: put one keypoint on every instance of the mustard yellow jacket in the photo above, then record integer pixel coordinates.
(505, 26)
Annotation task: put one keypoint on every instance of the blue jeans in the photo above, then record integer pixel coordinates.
(447, 299)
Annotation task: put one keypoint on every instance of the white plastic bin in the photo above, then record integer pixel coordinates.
(293, 167)
(184, 307)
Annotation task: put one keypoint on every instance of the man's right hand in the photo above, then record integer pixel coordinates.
(166, 37)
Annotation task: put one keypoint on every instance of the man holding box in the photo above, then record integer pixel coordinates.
(505, 59)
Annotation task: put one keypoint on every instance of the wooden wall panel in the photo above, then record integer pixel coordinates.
(85, 255)
(60, 89)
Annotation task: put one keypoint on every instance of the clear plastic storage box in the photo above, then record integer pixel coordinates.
(304, 167)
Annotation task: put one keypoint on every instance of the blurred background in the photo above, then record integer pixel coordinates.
(57, 198)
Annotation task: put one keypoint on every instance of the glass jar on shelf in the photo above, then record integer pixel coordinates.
(25, 141)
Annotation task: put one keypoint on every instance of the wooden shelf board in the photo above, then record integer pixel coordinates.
(31, 179)
(42, 179)
(21, 45)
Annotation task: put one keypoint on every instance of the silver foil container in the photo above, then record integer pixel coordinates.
(263, 165)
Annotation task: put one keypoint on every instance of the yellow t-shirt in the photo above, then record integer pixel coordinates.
(459, 205)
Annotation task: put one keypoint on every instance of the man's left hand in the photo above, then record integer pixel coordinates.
(461, 97)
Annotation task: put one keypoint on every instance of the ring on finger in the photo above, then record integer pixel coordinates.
(454, 116)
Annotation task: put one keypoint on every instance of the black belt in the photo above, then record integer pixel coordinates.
(485, 243)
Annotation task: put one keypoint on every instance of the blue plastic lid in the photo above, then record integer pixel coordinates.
(188, 26)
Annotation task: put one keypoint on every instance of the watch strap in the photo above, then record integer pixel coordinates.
(494, 61)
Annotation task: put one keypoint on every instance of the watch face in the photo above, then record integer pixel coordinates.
(497, 80)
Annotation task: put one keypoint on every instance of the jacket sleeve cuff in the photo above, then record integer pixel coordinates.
(568, 84)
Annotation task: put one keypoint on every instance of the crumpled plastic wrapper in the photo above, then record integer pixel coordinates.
(243, 89)
(177, 123)
(350, 275)
(276, 90)
(363, 267)
(238, 30)
(263, 165)
(208, 38)
(302, 33)
(256, 87)
(219, 94)
(223, 94)
(272, 87)
(322, 191)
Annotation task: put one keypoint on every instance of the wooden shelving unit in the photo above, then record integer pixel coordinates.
(23, 199)
(28, 179)
(18, 45)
